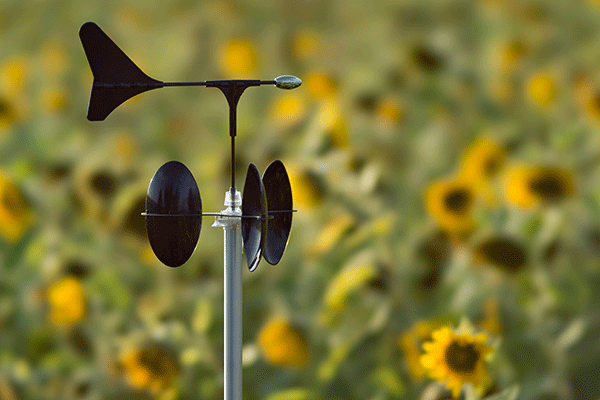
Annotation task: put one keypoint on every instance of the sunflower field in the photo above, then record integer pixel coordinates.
(444, 157)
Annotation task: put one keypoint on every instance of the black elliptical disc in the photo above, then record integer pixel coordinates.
(254, 204)
(174, 214)
(279, 198)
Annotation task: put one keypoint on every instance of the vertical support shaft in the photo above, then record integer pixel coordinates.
(232, 190)
(230, 221)
(232, 224)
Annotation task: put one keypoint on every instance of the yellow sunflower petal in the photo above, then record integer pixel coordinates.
(541, 89)
(282, 344)
(238, 58)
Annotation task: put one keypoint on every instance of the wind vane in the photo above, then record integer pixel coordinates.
(173, 203)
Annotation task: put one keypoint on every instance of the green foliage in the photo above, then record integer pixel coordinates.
(428, 141)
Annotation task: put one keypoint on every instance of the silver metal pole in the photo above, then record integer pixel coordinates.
(233, 294)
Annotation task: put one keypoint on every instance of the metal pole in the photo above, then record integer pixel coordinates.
(230, 221)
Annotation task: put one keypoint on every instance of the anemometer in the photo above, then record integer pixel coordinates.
(260, 220)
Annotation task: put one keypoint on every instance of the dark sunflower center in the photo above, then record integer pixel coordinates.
(13, 201)
(157, 362)
(5, 107)
(462, 358)
(457, 200)
(103, 183)
(504, 253)
(427, 59)
(549, 186)
(595, 102)
(133, 223)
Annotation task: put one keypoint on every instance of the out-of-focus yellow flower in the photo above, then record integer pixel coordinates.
(67, 301)
(320, 85)
(305, 193)
(480, 163)
(482, 160)
(54, 99)
(510, 54)
(349, 279)
(237, 58)
(457, 358)
(541, 89)
(411, 343)
(389, 111)
(527, 186)
(54, 58)
(592, 107)
(152, 368)
(125, 213)
(331, 121)
(15, 213)
(332, 232)
(13, 75)
(588, 97)
(450, 202)
(283, 344)
(95, 186)
(288, 109)
(502, 252)
(8, 113)
(305, 44)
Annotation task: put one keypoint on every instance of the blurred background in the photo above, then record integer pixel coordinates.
(444, 157)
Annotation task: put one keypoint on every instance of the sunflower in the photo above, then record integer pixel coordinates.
(332, 122)
(457, 358)
(54, 99)
(592, 107)
(8, 112)
(238, 58)
(511, 54)
(151, 367)
(283, 344)
(305, 44)
(14, 75)
(481, 162)
(95, 187)
(450, 202)
(67, 301)
(55, 58)
(288, 109)
(588, 97)
(305, 189)
(526, 186)
(541, 89)
(15, 212)
(389, 111)
(502, 252)
(321, 85)
(411, 343)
